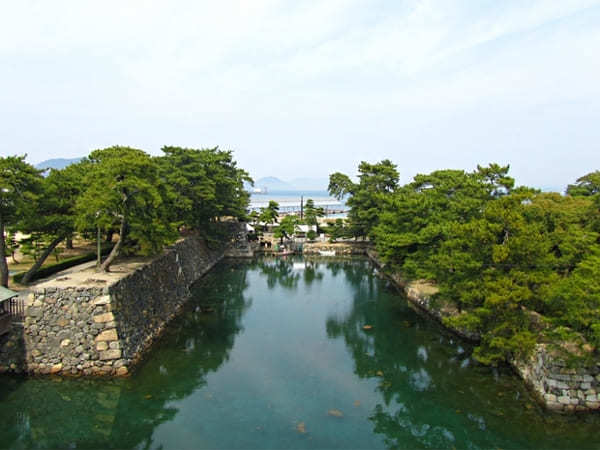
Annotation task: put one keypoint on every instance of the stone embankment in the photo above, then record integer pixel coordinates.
(346, 248)
(420, 293)
(90, 323)
(557, 385)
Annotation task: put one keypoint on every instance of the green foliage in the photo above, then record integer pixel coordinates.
(338, 230)
(67, 263)
(50, 218)
(586, 186)
(269, 214)
(119, 190)
(208, 185)
(19, 186)
(286, 228)
(575, 302)
(366, 197)
(124, 189)
(510, 263)
(418, 217)
(12, 245)
(312, 212)
(32, 246)
(521, 266)
(20, 183)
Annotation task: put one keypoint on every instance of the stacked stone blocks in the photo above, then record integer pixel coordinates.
(83, 330)
(558, 386)
(561, 387)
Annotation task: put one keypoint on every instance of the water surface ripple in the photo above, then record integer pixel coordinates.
(274, 353)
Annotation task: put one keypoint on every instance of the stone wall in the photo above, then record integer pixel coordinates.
(82, 330)
(556, 385)
(420, 294)
(340, 248)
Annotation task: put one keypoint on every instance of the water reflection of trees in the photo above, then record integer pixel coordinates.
(278, 271)
(124, 413)
(412, 363)
(287, 272)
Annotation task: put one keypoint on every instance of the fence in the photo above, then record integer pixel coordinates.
(16, 309)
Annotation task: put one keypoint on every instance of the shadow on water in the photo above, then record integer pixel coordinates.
(123, 413)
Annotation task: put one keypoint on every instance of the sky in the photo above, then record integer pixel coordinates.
(304, 89)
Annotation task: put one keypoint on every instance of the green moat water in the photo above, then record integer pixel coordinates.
(284, 362)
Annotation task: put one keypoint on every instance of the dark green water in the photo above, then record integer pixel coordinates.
(277, 363)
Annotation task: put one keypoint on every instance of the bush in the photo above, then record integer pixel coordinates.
(64, 264)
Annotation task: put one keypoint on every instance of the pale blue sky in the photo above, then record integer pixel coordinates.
(307, 88)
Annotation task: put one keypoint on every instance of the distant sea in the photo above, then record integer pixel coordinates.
(290, 196)
(290, 200)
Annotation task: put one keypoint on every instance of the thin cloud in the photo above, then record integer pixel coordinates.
(430, 84)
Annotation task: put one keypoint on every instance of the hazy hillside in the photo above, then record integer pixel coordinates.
(57, 163)
(273, 184)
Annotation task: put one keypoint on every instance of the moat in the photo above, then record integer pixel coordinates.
(292, 353)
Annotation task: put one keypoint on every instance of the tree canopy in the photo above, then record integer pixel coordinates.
(520, 266)
(208, 183)
(20, 184)
(365, 197)
(145, 199)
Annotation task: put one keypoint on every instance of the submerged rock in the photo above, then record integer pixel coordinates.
(335, 413)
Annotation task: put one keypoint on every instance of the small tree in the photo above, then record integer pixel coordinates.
(312, 213)
(124, 189)
(12, 246)
(51, 216)
(337, 230)
(208, 185)
(367, 196)
(19, 185)
(286, 228)
(270, 214)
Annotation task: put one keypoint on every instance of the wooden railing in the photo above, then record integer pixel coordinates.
(16, 309)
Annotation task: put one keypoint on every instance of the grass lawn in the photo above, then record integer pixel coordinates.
(80, 247)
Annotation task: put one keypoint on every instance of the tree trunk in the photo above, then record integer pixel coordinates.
(116, 249)
(41, 260)
(3, 264)
(69, 243)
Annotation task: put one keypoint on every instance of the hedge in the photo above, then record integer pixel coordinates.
(62, 265)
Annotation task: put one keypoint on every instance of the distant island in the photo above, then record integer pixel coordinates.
(57, 163)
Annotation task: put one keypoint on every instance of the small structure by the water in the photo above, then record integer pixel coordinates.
(5, 320)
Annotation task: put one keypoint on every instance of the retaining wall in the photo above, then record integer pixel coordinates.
(340, 248)
(82, 330)
(556, 385)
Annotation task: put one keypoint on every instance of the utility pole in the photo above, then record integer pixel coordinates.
(99, 260)
(301, 207)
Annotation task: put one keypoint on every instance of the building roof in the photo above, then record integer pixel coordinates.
(6, 294)
(306, 228)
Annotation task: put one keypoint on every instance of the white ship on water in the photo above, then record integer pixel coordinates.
(262, 190)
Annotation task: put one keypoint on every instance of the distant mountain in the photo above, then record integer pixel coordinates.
(57, 163)
(273, 184)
